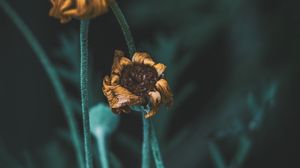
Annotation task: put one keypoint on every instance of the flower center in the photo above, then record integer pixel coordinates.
(139, 79)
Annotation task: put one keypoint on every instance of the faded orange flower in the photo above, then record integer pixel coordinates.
(136, 82)
(65, 10)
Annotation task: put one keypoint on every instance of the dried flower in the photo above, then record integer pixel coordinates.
(65, 10)
(136, 82)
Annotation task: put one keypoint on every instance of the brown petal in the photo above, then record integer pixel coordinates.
(120, 61)
(65, 5)
(160, 68)
(155, 99)
(163, 87)
(115, 79)
(100, 6)
(118, 96)
(121, 110)
(142, 58)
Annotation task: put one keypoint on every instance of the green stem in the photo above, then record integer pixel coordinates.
(155, 147)
(146, 143)
(84, 26)
(216, 155)
(242, 152)
(52, 74)
(146, 123)
(101, 142)
(124, 26)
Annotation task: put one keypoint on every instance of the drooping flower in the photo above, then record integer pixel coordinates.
(65, 10)
(136, 82)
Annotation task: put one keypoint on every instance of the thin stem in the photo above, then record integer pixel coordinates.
(84, 26)
(124, 26)
(242, 152)
(146, 143)
(101, 142)
(155, 147)
(216, 155)
(52, 74)
(146, 123)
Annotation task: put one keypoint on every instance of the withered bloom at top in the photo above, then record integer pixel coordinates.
(65, 10)
(136, 82)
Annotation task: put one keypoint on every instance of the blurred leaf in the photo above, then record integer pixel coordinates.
(54, 155)
(6, 159)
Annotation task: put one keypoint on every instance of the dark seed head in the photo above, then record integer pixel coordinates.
(139, 79)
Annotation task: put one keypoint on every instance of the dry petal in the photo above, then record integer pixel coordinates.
(65, 10)
(121, 110)
(160, 68)
(115, 79)
(120, 61)
(163, 87)
(118, 96)
(142, 58)
(155, 99)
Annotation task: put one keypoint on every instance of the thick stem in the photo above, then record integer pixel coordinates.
(146, 143)
(52, 74)
(124, 26)
(84, 26)
(101, 142)
(155, 147)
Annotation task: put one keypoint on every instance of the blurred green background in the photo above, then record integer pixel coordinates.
(233, 67)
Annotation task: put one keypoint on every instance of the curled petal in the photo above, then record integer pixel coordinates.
(163, 87)
(65, 10)
(160, 68)
(99, 7)
(115, 79)
(118, 96)
(120, 61)
(155, 99)
(121, 110)
(142, 58)
(57, 11)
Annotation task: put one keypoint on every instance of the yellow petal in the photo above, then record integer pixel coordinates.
(65, 5)
(118, 96)
(100, 6)
(120, 61)
(155, 99)
(163, 87)
(81, 5)
(142, 58)
(160, 68)
(115, 79)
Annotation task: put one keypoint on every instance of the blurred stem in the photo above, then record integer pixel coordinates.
(216, 155)
(52, 74)
(124, 26)
(101, 141)
(146, 144)
(155, 147)
(84, 26)
(242, 152)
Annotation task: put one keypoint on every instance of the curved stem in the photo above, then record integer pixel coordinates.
(101, 142)
(124, 26)
(52, 74)
(146, 143)
(84, 26)
(155, 147)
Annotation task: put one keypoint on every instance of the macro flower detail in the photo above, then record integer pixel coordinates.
(136, 82)
(65, 10)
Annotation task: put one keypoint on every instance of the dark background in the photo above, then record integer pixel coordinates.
(235, 51)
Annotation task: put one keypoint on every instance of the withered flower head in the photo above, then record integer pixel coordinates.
(65, 10)
(136, 82)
